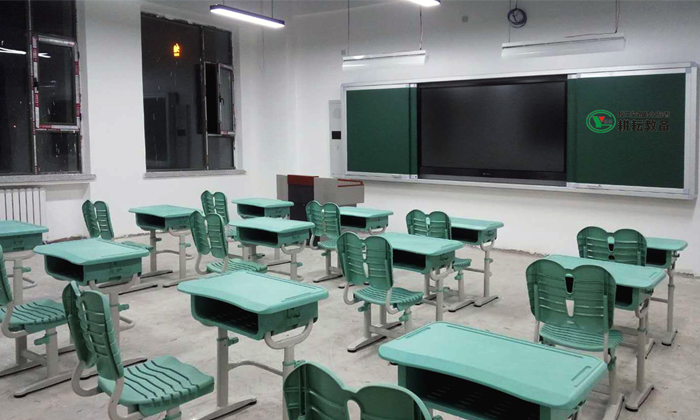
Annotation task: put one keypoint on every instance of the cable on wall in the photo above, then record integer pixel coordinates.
(618, 9)
(420, 46)
(348, 50)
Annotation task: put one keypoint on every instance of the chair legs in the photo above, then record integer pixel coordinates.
(617, 399)
(173, 414)
(331, 272)
(373, 333)
(50, 361)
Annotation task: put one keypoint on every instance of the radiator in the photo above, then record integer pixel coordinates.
(24, 204)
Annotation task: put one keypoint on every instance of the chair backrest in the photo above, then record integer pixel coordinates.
(436, 224)
(326, 219)
(366, 260)
(98, 220)
(92, 328)
(312, 392)
(209, 234)
(5, 291)
(215, 203)
(625, 246)
(591, 289)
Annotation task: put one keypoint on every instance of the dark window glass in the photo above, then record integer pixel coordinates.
(57, 152)
(220, 152)
(56, 84)
(217, 46)
(172, 94)
(15, 107)
(226, 99)
(53, 17)
(212, 98)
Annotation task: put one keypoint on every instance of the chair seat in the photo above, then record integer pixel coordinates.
(328, 244)
(237, 265)
(35, 316)
(461, 263)
(136, 244)
(573, 337)
(160, 384)
(400, 298)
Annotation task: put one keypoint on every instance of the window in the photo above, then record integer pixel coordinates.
(187, 96)
(39, 88)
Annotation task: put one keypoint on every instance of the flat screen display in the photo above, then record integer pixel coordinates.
(496, 128)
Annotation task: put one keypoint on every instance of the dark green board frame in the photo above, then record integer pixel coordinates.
(632, 158)
(382, 131)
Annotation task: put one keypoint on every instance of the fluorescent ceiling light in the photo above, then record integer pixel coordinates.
(569, 46)
(426, 3)
(11, 51)
(405, 58)
(243, 15)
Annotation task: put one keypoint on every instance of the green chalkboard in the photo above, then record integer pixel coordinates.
(382, 130)
(627, 130)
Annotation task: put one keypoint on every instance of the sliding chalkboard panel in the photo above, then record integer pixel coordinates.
(627, 130)
(381, 131)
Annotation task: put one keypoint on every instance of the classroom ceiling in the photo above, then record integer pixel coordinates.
(286, 8)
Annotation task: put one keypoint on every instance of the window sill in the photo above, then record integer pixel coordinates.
(49, 179)
(185, 174)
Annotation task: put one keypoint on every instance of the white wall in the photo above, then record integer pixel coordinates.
(113, 103)
(656, 32)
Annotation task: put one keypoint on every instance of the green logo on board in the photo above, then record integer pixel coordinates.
(601, 121)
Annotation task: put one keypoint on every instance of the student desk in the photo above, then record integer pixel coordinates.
(634, 287)
(428, 256)
(663, 253)
(372, 221)
(274, 233)
(165, 218)
(18, 240)
(107, 266)
(475, 374)
(257, 306)
(482, 233)
(264, 207)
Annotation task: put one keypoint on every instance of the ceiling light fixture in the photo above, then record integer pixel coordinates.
(246, 16)
(595, 44)
(426, 3)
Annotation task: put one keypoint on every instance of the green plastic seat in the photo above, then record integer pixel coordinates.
(326, 220)
(217, 203)
(209, 234)
(436, 225)
(312, 392)
(577, 308)
(156, 386)
(42, 315)
(370, 260)
(626, 246)
(99, 223)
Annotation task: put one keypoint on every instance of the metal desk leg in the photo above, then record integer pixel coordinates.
(292, 252)
(153, 258)
(21, 362)
(223, 407)
(183, 257)
(487, 276)
(671, 331)
(642, 390)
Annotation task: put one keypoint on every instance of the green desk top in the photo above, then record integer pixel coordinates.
(91, 251)
(665, 244)
(422, 245)
(255, 292)
(265, 203)
(532, 372)
(473, 224)
(165, 211)
(15, 228)
(270, 224)
(364, 212)
(634, 276)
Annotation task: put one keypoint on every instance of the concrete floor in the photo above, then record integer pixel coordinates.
(165, 327)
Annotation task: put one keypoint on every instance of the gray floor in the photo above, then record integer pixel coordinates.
(165, 327)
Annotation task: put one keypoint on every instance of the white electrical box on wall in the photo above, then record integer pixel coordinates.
(335, 135)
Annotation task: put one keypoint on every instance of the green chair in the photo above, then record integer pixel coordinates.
(370, 260)
(326, 220)
(159, 385)
(313, 392)
(217, 203)
(437, 225)
(209, 234)
(37, 316)
(577, 309)
(99, 223)
(626, 246)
